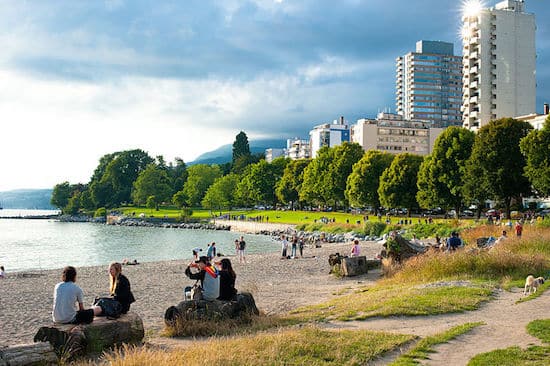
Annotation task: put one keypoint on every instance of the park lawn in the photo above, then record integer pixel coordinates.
(397, 300)
(304, 346)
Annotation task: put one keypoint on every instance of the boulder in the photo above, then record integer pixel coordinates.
(243, 306)
(28, 355)
(101, 334)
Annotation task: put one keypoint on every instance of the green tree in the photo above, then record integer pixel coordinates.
(398, 186)
(200, 177)
(73, 205)
(221, 194)
(288, 187)
(153, 181)
(258, 182)
(441, 177)
(535, 147)
(316, 185)
(152, 202)
(178, 174)
(364, 180)
(180, 199)
(61, 194)
(344, 157)
(497, 156)
(240, 146)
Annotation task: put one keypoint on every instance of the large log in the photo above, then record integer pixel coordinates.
(93, 338)
(243, 306)
(28, 355)
(354, 266)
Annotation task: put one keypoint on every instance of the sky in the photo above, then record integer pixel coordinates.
(83, 78)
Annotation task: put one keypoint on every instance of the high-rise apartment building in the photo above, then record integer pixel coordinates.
(499, 62)
(429, 84)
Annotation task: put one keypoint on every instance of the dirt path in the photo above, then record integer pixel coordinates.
(505, 326)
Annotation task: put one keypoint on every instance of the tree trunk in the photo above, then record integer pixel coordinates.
(40, 353)
(95, 337)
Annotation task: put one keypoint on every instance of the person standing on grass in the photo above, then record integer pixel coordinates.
(519, 229)
(242, 247)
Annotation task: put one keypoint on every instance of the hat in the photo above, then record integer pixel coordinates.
(202, 259)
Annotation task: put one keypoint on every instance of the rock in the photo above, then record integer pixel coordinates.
(354, 266)
(28, 354)
(244, 306)
(95, 337)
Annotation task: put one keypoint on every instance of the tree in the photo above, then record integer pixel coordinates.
(73, 205)
(288, 187)
(178, 174)
(344, 157)
(240, 146)
(535, 147)
(221, 194)
(398, 186)
(180, 199)
(61, 194)
(441, 177)
(200, 177)
(258, 182)
(316, 185)
(363, 182)
(496, 155)
(153, 181)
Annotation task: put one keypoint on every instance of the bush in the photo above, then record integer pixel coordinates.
(373, 228)
(100, 212)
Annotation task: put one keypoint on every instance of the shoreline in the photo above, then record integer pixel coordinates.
(278, 286)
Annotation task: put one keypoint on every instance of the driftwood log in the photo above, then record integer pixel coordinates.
(243, 306)
(398, 248)
(73, 340)
(28, 355)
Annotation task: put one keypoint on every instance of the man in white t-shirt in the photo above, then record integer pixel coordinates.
(68, 300)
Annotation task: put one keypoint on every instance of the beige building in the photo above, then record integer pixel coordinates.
(392, 133)
(536, 120)
(498, 63)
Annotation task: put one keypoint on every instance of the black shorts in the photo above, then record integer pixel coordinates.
(84, 316)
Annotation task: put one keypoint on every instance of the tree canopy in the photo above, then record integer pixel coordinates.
(288, 187)
(398, 186)
(200, 177)
(535, 147)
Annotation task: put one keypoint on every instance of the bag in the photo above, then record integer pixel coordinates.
(84, 316)
(109, 307)
(196, 292)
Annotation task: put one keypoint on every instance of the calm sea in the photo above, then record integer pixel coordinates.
(34, 244)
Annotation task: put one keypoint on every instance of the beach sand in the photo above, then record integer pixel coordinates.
(278, 286)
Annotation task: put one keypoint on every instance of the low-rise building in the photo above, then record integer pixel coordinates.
(536, 120)
(297, 149)
(272, 154)
(391, 133)
(328, 134)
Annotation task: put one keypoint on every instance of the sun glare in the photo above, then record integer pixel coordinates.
(471, 7)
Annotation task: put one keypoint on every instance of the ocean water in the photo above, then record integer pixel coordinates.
(36, 244)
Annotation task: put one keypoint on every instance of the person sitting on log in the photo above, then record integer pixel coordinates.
(208, 275)
(66, 295)
(227, 280)
(119, 290)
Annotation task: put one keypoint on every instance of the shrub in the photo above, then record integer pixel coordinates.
(100, 212)
(374, 228)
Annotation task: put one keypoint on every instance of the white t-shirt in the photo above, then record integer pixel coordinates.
(66, 296)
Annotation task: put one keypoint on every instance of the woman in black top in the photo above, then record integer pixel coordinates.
(227, 280)
(119, 287)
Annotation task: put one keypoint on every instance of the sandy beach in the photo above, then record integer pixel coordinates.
(278, 286)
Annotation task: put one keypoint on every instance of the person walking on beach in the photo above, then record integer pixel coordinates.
(237, 247)
(294, 247)
(284, 246)
(242, 247)
(66, 297)
(211, 253)
(2, 272)
(355, 249)
(301, 246)
(195, 252)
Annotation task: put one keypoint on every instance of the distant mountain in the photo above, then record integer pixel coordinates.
(27, 199)
(224, 154)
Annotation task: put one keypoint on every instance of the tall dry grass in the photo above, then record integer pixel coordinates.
(515, 258)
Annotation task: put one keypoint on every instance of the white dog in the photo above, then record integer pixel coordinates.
(532, 283)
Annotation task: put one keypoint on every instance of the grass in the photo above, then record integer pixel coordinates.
(397, 300)
(533, 356)
(425, 346)
(305, 346)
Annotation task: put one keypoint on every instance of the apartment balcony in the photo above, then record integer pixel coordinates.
(474, 41)
(473, 70)
(473, 85)
(474, 99)
(474, 114)
(474, 55)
